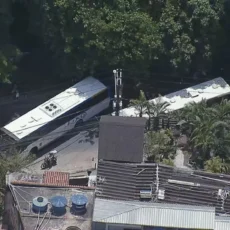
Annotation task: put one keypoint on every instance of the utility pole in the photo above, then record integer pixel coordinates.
(157, 181)
(117, 102)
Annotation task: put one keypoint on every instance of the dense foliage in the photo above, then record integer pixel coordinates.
(134, 34)
(141, 36)
(8, 52)
(208, 129)
(205, 129)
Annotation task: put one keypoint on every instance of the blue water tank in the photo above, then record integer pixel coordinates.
(58, 205)
(79, 203)
(40, 204)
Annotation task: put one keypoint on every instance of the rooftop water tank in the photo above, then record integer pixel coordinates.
(79, 203)
(40, 204)
(58, 205)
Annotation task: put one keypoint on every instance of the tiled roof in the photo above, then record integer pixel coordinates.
(125, 181)
(56, 178)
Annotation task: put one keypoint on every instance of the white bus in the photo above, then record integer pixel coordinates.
(211, 91)
(49, 121)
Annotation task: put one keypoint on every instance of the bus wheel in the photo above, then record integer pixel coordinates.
(34, 151)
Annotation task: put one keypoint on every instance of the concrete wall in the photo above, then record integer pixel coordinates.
(11, 217)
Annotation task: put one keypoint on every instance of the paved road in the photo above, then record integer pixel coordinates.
(73, 155)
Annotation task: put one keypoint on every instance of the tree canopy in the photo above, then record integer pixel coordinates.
(156, 36)
(138, 35)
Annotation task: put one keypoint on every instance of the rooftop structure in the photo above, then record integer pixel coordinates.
(50, 204)
(205, 91)
(53, 108)
(165, 184)
(25, 195)
(153, 214)
(121, 138)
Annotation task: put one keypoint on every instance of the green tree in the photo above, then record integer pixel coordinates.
(208, 129)
(168, 162)
(190, 31)
(8, 57)
(159, 146)
(84, 35)
(140, 104)
(8, 53)
(216, 165)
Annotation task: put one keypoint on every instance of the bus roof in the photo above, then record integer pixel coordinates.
(53, 108)
(178, 100)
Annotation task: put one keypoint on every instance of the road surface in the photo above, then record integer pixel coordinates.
(79, 153)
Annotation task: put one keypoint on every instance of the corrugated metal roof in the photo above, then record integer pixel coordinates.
(153, 214)
(222, 223)
(127, 182)
(56, 178)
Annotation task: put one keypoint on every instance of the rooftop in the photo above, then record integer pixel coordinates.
(53, 108)
(116, 133)
(153, 214)
(177, 186)
(24, 196)
(27, 188)
(123, 121)
(178, 100)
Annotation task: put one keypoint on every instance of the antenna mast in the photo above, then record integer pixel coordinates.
(117, 102)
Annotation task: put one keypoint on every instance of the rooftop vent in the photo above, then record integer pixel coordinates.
(219, 192)
(79, 203)
(215, 86)
(146, 194)
(40, 204)
(193, 93)
(161, 194)
(72, 90)
(58, 205)
(183, 183)
(52, 109)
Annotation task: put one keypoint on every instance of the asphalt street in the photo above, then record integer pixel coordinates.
(79, 153)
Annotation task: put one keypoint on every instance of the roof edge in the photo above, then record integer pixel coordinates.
(50, 185)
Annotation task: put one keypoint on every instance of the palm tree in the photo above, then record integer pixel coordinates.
(155, 110)
(222, 110)
(140, 104)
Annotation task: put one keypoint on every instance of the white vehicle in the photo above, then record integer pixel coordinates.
(210, 90)
(54, 118)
